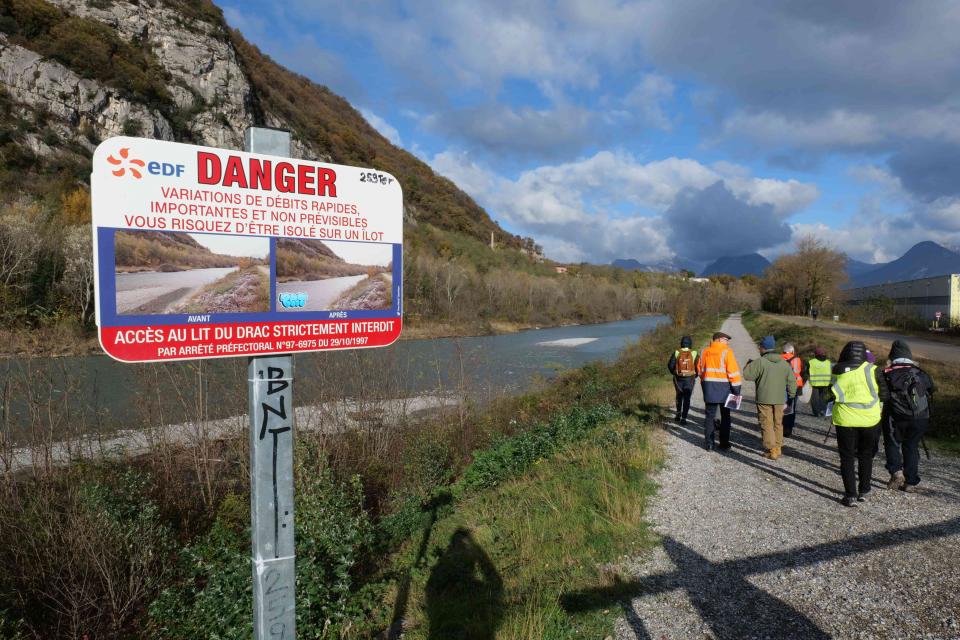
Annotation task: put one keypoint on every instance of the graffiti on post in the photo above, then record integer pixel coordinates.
(275, 404)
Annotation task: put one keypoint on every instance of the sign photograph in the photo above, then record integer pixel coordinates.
(203, 253)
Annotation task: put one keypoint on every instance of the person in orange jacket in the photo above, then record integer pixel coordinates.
(719, 377)
(790, 355)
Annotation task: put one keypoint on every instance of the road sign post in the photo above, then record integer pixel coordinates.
(270, 391)
(211, 253)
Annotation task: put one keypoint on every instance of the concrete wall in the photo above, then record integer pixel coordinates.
(923, 297)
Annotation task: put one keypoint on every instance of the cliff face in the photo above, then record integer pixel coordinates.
(75, 72)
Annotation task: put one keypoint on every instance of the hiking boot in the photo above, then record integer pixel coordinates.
(897, 481)
(862, 497)
(777, 452)
(676, 418)
(849, 501)
(769, 454)
(909, 488)
(683, 422)
(724, 446)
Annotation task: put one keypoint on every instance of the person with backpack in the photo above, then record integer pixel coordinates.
(796, 365)
(858, 389)
(818, 377)
(683, 366)
(775, 380)
(719, 377)
(906, 416)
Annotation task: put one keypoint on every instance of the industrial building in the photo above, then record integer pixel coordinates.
(923, 297)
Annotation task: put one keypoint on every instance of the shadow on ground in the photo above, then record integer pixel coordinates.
(708, 585)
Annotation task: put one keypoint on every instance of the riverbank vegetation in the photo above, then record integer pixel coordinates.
(170, 251)
(373, 292)
(946, 401)
(175, 519)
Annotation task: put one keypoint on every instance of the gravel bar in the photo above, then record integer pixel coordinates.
(753, 548)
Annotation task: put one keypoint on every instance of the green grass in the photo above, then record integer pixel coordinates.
(946, 401)
(499, 565)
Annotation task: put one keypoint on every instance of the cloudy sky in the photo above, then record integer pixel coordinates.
(658, 129)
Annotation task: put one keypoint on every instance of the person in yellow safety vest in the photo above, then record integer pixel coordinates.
(683, 366)
(719, 377)
(858, 389)
(796, 364)
(819, 378)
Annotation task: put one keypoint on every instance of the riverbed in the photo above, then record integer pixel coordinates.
(94, 394)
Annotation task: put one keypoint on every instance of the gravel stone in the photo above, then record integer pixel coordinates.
(753, 548)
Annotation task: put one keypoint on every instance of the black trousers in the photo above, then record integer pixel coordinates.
(790, 419)
(710, 414)
(901, 444)
(857, 446)
(818, 400)
(684, 389)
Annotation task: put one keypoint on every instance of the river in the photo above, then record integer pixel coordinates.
(95, 394)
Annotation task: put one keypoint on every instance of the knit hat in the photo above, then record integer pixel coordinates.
(686, 342)
(900, 349)
(870, 357)
(768, 343)
(854, 352)
(820, 352)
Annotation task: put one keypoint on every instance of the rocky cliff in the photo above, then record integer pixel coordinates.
(75, 72)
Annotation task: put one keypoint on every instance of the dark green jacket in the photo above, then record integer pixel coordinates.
(774, 378)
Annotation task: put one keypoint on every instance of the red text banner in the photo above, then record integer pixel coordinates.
(178, 342)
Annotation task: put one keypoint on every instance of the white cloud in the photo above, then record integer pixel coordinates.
(611, 205)
(382, 126)
(647, 98)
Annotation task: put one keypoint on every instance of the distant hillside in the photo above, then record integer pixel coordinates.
(923, 260)
(299, 259)
(664, 266)
(752, 264)
(855, 268)
(168, 251)
(74, 73)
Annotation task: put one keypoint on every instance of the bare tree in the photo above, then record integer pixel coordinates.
(19, 242)
(799, 281)
(76, 286)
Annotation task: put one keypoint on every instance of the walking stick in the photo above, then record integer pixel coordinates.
(829, 427)
(925, 450)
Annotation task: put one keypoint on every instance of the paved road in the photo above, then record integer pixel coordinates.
(760, 549)
(321, 294)
(154, 291)
(927, 349)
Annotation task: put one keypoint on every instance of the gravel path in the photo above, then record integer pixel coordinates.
(760, 549)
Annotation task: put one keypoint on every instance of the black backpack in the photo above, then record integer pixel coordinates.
(909, 397)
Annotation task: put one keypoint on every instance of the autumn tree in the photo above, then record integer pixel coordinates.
(800, 281)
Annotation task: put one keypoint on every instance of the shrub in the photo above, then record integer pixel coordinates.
(89, 555)
(333, 535)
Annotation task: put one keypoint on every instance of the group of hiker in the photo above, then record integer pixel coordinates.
(863, 401)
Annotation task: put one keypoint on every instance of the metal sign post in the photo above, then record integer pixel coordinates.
(243, 225)
(270, 387)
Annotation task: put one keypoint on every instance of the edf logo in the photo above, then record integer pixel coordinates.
(293, 300)
(165, 169)
(134, 166)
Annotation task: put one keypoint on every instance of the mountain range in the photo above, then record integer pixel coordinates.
(750, 264)
(923, 260)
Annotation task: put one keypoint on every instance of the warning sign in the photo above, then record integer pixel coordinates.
(204, 253)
